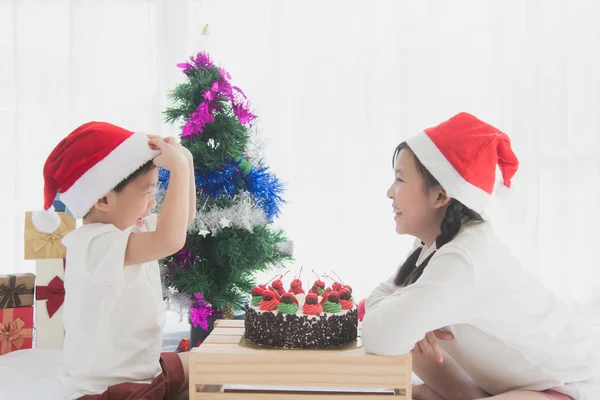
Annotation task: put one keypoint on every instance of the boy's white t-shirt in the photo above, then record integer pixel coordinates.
(113, 315)
(510, 331)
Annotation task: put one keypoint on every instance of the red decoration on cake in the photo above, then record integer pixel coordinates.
(346, 299)
(318, 284)
(333, 296)
(277, 285)
(258, 290)
(337, 286)
(311, 305)
(291, 296)
(325, 295)
(269, 301)
(274, 293)
(296, 285)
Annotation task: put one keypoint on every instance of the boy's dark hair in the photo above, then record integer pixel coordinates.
(451, 224)
(149, 166)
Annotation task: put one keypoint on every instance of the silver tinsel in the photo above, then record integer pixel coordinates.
(159, 195)
(175, 301)
(243, 214)
(255, 148)
(178, 302)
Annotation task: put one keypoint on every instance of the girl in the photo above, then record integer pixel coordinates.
(508, 337)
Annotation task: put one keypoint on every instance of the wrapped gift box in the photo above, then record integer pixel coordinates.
(49, 295)
(16, 290)
(42, 245)
(16, 329)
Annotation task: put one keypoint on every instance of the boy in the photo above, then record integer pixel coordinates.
(113, 309)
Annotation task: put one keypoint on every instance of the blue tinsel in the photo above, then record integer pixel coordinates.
(229, 179)
(266, 188)
(223, 181)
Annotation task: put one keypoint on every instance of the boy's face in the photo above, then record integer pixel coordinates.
(135, 202)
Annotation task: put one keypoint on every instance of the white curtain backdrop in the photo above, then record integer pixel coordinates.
(337, 85)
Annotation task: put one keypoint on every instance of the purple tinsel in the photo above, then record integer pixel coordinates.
(225, 74)
(202, 60)
(220, 89)
(185, 257)
(187, 67)
(240, 107)
(243, 113)
(200, 311)
(198, 120)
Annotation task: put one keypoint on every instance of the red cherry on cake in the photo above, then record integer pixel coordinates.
(345, 294)
(273, 293)
(296, 282)
(348, 287)
(315, 287)
(311, 305)
(289, 298)
(268, 295)
(334, 296)
(258, 290)
(278, 286)
(296, 287)
(269, 301)
(337, 286)
(346, 299)
(311, 298)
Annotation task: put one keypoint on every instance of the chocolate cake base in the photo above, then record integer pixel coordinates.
(293, 331)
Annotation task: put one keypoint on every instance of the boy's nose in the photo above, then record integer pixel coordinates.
(152, 204)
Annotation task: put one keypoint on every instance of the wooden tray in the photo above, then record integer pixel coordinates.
(226, 367)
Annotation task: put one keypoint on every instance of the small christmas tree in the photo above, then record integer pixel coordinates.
(238, 198)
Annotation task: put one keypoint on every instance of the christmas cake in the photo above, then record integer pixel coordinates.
(322, 318)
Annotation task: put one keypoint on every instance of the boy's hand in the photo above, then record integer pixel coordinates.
(187, 154)
(170, 158)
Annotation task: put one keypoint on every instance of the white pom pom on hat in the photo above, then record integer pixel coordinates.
(46, 221)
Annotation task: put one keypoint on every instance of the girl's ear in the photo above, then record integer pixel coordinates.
(441, 197)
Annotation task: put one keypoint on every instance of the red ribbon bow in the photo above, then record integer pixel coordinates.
(54, 293)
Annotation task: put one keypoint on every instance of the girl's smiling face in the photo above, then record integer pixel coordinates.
(418, 206)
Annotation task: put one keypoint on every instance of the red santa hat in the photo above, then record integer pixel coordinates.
(462, 154)
(86, 165)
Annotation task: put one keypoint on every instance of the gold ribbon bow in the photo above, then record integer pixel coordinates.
(12, 332)
(40, 245)
(39, 240)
